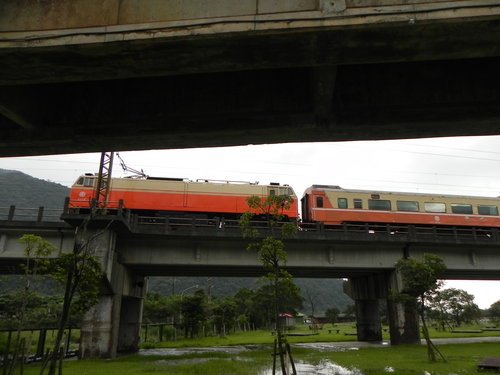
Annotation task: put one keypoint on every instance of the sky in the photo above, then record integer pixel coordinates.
(463, 166)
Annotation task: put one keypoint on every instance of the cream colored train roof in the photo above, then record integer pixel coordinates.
(205, 186)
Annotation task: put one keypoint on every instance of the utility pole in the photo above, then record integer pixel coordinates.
(103, 181)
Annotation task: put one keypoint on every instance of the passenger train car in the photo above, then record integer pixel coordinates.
(333, 205)
(201, 198)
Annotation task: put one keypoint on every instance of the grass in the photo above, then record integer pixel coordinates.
(401, 360)
(265, 337)
(404, 360)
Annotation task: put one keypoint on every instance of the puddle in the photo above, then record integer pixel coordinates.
(322, 368)
(185, 351)
(339, 346)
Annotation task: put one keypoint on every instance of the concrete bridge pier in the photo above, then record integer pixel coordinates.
(403, 321)
(367, 292)
(113, 325)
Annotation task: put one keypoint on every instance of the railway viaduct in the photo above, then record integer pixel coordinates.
(91, 75)
(132, 248)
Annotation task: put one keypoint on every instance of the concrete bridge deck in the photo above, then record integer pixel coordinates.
(157, 247)
(81, 76)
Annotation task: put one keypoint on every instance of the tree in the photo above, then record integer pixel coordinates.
(454, 305)
(194, 312)
(494, 311)
(311, 296)
(156, 308)
(264, 299)
(332, 314)
(244, 302)
(36, 252)
(272, 255)
(80, 272)
(420, 281)
(224, 315)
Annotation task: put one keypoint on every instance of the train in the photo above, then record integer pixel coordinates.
(179, 196)
(329, 205)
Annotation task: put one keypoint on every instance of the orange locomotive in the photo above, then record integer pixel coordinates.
(333, 205)
(202, 198)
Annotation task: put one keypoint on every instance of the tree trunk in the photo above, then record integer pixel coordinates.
(68, 296)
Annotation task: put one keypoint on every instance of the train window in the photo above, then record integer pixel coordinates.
(342, 202)
(87, 181)
(80, 181)
(358, 203)
(319, 202)
(376, 204)
(434, 207)
(487, 210)
(272, 192)
(407, 206)
(461, 208)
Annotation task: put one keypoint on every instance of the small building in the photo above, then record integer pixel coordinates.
(286, 320)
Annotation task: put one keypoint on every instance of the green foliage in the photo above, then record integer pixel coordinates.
(273, 257)
(453, 307)
(194, 310)
(41, 311)
(332, 314)
(157, 308)
(224, 315)
(86, 276)
(494, 311)
(420, 282)
(420, 278)
(329, 292)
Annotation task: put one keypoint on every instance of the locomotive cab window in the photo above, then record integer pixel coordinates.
(434, 207)
(319, 202)
(358, 203)
(487, 210)
(379, 204)
(86, 181)
(461, 208)
(342, 202)
(408, 206)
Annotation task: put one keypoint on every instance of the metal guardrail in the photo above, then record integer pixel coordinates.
(391, 232)
(369, 231)
(38, 214)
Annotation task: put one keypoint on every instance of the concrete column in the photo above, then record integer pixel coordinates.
(113, 324)
(366, 292)
(130, 325)
(403, 321)
(368, 323)
(99, 331)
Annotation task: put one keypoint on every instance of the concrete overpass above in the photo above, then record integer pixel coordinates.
(92, 75)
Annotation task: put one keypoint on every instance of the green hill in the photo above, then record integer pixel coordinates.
(24, 191)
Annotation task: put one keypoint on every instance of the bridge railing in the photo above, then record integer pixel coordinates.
(392, 232)
(38, 214)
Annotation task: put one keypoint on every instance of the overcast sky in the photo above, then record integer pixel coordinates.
(465, 166)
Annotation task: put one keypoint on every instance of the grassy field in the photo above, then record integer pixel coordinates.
(401, 360)
(329, 333)
(406, 359)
